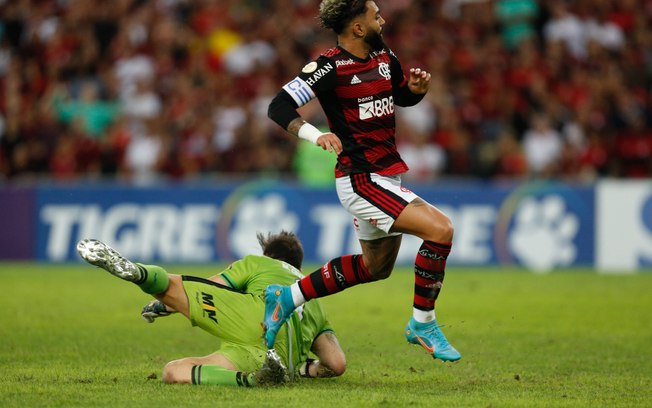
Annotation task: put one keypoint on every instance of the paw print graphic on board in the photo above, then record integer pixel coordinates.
(260, 214)
(543, 234)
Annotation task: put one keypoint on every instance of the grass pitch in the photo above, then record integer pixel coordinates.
(72, 336)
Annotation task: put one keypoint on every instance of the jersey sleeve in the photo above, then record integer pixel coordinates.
(317, 76)
(314, 322)
(239, 273)
(327, 327)
(398, 77)
(402, 94)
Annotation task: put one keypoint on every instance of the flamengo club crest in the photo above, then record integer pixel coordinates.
(383, 68)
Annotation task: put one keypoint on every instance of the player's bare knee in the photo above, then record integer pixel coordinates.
(338, 367)
(440, 229)
(174, 372)
(168, 373)
(448, 230)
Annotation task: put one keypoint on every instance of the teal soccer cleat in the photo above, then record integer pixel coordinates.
(278, 309)
(430, 337)
(100, 254)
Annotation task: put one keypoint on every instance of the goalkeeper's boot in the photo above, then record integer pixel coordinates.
(273, 371)
(430, 337)
(100, 254)
(278, 309)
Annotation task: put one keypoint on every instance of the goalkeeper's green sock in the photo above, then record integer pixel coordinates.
(208, 374)
(155, 279)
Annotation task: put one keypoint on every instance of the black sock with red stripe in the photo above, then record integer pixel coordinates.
(337, 275)
(429, 271)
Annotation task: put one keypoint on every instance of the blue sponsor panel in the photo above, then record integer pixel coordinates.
(163, 224)
(541, 226)
(16, 223)
(538, 225)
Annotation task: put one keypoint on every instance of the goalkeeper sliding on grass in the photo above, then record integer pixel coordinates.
(229, 306)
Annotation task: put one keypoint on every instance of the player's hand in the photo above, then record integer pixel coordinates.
(330, 142)
(153, 310)
(419, 81)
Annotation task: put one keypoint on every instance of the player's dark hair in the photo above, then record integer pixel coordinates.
(337, 14)
(284, 246)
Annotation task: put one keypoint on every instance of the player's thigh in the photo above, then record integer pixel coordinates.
(247, 358)
(224, 312)
(425, 221)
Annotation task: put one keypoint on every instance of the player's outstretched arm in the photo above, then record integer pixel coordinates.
(331, 362)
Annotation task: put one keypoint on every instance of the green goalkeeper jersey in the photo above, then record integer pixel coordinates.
(254, 273)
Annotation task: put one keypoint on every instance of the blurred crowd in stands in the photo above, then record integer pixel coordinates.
(178, 89)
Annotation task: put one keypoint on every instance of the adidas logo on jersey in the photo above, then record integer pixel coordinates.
(355, 80)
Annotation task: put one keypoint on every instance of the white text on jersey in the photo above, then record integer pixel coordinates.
(320, 73)
(376, 108)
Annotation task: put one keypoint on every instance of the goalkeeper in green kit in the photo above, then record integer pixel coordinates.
(229, 306)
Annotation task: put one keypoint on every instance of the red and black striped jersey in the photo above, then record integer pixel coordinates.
(358, 98)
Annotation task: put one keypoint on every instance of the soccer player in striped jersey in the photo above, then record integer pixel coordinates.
(358, 83)
(229, 306)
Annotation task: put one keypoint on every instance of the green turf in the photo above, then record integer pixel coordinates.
(72, 336)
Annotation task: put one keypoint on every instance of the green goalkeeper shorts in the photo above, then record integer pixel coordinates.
(234, 317)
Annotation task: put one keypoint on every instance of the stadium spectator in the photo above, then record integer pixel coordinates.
(426, 160)
(93, 114)
(543, 146)
(567, 28)
(583, 53)
(517, 20)
(229, 307)
(510, 161)
(358, 82)
(146, 150)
